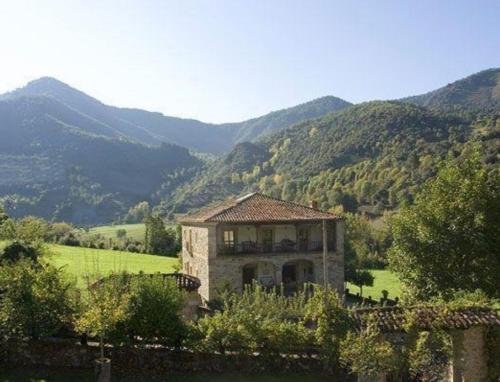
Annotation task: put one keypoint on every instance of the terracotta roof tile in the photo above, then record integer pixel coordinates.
(254, 208)
(393, 318)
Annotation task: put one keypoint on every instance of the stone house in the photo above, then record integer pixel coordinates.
(261, 238)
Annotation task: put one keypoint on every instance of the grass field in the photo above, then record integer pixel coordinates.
(384, 279)
(134, 231)
(80, 261)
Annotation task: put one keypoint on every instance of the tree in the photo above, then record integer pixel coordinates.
(3, 215)
(32, 229)
(158, 239)
(449, 239)
(107, 306)
(138, 213)
(332, 321)
(36, 300)
(121, 233)
(362, 278)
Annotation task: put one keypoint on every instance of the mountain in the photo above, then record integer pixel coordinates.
(368, 157)
(132, 124)
(66, 156)
(60, 164)
(258, 127)
(478, 92)
(154, 128)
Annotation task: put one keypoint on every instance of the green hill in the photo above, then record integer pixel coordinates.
(480, 91)
(277, 120)
(367, 157)
(52, 167)
(92, 116)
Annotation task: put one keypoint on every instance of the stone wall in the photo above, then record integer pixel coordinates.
(153, 360)
(195, 261)
(216, 271)
(227, 270)
(469, 362)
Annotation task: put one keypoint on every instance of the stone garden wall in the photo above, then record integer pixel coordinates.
(151, 360)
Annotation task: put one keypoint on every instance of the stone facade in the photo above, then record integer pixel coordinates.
(202, 258)
(469, 361)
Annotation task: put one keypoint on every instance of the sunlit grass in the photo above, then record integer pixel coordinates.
(79, 262)
(134, 231)
(384, 279)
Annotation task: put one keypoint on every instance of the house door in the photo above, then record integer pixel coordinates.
(249, 274)
(267, 240)
(289, 273)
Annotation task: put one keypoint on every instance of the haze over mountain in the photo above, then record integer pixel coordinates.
(154, 128)
(51, 167)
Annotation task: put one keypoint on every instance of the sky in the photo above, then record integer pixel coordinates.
(227, 61)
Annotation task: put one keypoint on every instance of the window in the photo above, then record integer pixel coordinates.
(229, 238)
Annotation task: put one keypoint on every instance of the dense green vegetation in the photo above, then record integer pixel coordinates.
(449, 239)
(66, 156)
(481, 91)
(54, 169)
(277, 120)
(370, 157)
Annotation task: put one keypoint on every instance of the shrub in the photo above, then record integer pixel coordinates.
(367, 353)
(257, 320)
(18, 250)
(32, 229)
(121, 233)
(69, 239)
(155, 310)
(332, 323)
(36, 301)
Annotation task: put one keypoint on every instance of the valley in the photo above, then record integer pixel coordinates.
(65, 156)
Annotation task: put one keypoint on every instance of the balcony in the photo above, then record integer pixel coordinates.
(284, 246)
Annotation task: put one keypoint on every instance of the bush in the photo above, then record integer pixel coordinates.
(257, 320)
(366, 352)
(18, 250)
(36, 301)
(69, 239)
(155, 310)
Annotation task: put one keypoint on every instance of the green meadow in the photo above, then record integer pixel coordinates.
(134, 231)
(80, 261)
(383, 279)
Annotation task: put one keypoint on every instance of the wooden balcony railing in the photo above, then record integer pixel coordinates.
(284, 246)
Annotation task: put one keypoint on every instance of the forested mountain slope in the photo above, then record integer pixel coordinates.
(370, 156)
(478, 92)
(52, 167)
(154, 128)
(258, 127)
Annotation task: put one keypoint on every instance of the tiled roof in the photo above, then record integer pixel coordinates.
(256, 208)
(392, 319)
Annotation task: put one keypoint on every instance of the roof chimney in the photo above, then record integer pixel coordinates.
(313, 204)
